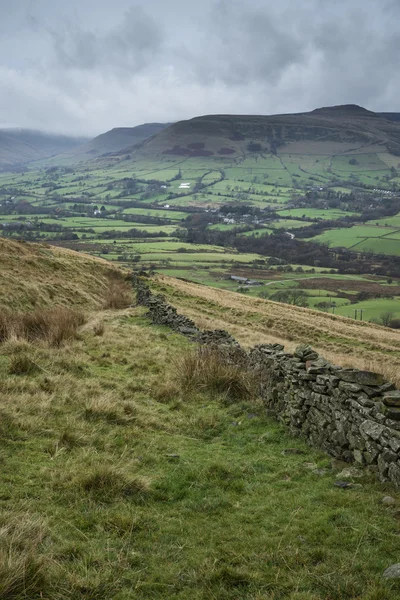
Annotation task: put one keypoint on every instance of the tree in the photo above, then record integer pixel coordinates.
(293, 296)
(263, 294)
(386, 317)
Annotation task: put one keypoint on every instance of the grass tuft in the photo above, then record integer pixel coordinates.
(23, 570)
(105, 483)
(118, 294)
(22, 364)
(53, 325)
(207, 370)
(165, 392)
(99, 328)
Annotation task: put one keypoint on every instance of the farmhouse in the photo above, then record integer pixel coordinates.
(244, 280)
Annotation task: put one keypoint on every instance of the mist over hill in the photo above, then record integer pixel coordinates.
(119, 139)
(20, 146)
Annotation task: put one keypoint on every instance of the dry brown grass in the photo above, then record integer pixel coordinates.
(118, 294)
(206, 370)
(254, 321)
(53, 325)
(40, 275)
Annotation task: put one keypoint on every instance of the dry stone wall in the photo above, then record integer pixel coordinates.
(353, 415)
(162, 313)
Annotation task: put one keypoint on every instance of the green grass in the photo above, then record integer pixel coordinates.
(315, 213)
(114, 485)
(363, 238)
(372, 309)
(289, 224)
(165, 214)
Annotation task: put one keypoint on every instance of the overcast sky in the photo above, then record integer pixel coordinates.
(86, 66)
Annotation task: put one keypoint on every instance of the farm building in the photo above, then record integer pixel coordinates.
(244, 280)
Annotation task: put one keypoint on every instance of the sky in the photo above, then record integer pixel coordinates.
(83, 67)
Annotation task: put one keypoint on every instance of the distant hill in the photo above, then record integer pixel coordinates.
(392, 116)
(328, 130)
(120, 139)
(20, 146)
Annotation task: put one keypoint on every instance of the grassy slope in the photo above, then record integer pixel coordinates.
(42, 275)
(117, 484)
(87, 467)
(254, 321)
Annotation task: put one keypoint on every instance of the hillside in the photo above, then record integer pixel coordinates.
(255, 321)
(120, 139)
(21, 146)
(331, 130)
(129, 466)
(39, 275)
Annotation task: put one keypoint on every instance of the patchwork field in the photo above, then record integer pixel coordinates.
(171, 213)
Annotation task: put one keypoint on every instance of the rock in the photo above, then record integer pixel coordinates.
(371, 429)
(392, 412)
(386, 387)
(392, 572)
(394, 473)
(188, 330)
(392, 398)
(388, 501)
(349, 387)
(342, 484)
(358, 456)
(348, 485)
(361, 377)
(305, 352)
(320, 472)
(312, 370)
(289, 451)
(351, 472)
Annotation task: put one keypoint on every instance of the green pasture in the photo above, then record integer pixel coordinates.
(364, 238)
(288, 224)
(173, 215)
(257, 232)
(387, 221)
(315, 213)
(372, 309)
(224, 226)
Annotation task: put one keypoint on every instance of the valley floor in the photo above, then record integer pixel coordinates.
(118, 484)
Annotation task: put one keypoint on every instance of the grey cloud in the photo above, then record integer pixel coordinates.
(245, 44)
(84, 67)
(131, 45)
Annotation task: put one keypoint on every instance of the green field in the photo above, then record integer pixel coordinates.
(313, 213)
(68, 202)
(365, 238)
